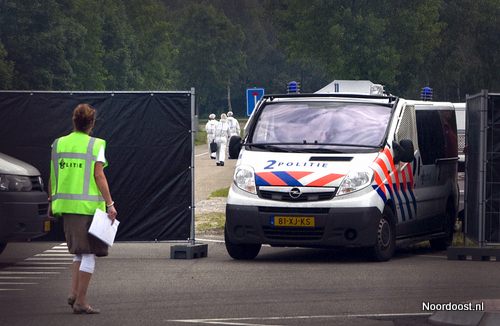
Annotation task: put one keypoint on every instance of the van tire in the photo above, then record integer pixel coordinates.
(385, 245)
(2, 247)
(448, 228)
(241, 251)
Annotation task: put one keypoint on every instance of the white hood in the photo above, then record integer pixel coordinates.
(11, 165)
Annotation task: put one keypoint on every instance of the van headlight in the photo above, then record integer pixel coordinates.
(356, 180)
(244, 178)
(10, 182)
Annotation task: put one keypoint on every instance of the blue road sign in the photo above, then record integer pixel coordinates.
(253, 96)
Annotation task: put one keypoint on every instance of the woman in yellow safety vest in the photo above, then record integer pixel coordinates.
(78, 187)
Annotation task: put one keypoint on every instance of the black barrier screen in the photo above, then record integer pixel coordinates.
(483, 168)
(492, 202)
(149, 151)
(474, 168)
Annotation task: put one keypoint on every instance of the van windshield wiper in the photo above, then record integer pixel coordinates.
(321, 150)
(270, 147)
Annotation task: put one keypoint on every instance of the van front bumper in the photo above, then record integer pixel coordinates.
(333, 227)
(23, 215)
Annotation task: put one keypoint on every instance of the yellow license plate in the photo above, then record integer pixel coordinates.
(47, 226)
(292, 221)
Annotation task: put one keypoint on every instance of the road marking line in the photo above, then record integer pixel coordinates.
(43, 263)
(210, 240)
(33, 267)
(2, 272)
(54, 255)
(66, 259)
(49, 258)
(237, 321)
(201, 154)
(22, 278)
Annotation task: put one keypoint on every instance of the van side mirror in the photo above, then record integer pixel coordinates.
(234, 146)
(404, 151)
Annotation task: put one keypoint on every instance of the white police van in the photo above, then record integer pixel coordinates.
(333, 169)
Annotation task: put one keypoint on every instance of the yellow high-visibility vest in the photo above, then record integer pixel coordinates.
(73, 186)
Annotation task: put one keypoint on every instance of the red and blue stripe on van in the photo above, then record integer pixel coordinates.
(296, 179)
(395, 183)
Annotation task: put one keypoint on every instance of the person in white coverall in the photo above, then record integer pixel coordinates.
(222, 134)
(234, 125)
(210, 129)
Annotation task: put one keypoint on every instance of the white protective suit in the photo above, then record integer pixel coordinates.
(222, 134)
(234, 125)
(210, 129)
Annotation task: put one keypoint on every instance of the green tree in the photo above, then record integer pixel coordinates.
(107, 45)
(266, 64)
(120, 45)
(210, 54)
(469, 57)
(154, 57)
(380, 41)
(35, 35)
(6, 70)
(414, 30)
(86, 62)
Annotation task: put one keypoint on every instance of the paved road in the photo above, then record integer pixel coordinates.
(138, 284)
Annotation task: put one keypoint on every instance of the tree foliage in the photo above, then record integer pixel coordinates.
(383, 41)
(210, 52)
(219, 46)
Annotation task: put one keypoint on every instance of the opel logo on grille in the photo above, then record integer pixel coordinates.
(294, 193)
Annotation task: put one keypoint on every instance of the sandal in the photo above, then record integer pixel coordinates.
(71, 299)
(79, 309)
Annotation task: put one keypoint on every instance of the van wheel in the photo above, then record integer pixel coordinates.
(448, 228)
(2, 247)
(242, 251)
(385, 245)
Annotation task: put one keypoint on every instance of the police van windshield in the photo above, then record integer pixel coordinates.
(321, 126)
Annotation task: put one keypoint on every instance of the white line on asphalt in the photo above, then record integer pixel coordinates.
(237, 321)
(29, 269)
(45, 258)
(22, 278)
(201, 154)
(211, 240)
(2, 273)
(33, 267)
(45, 263)
(54, 255)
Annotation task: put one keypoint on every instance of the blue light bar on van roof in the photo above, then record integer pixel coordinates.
(293, 87)
(426, 94)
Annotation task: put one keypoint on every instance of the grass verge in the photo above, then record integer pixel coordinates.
(201, 138)
(211, 221)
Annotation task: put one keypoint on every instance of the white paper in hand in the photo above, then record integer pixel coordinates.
(102, 229)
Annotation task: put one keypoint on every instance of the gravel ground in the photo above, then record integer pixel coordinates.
(211, 205)
(209, 178)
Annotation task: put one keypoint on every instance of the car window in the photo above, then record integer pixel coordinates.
(437, 135)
